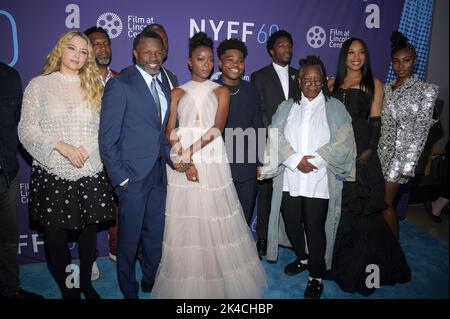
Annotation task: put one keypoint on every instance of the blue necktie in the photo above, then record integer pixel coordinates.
(154, 92)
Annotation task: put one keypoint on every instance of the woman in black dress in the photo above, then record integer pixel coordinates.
(363, 239)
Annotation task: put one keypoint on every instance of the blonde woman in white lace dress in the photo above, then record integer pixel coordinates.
(68, 186)
(208, 250)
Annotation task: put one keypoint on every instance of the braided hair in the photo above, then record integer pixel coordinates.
(310, 60)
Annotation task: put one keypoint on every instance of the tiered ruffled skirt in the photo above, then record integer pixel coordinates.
(208, 249)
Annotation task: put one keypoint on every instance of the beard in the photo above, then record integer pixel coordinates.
(103, 61)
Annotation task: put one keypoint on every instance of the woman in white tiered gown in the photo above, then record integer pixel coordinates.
(208, 250)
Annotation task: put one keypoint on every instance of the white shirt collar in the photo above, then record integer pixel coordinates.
(148, 77)
(317, 101)
(108, 77)
(279, 68)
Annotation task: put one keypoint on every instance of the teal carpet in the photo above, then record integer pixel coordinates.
(427, 256)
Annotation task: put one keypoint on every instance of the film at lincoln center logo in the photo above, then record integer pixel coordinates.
(316, 37)
(111, 22)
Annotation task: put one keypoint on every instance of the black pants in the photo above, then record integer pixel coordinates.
(246, 191)
(9, 235)
(263, 212)
(303, 215)
(58, 257)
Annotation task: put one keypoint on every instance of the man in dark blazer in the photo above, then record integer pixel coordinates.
(275, 83)
(134, 149)
(243, 124)
(10, 108)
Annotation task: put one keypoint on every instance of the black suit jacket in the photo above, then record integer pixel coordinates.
(245, 113)
(270, 89)
(10, 107)
(172, 77)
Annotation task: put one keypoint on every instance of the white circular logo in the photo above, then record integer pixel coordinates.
(111, 22)
(316, 37)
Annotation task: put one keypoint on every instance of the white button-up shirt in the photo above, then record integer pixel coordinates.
(283, 75)
(306, 131)
(162, 96)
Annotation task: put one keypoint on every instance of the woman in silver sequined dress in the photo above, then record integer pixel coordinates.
(406, 119)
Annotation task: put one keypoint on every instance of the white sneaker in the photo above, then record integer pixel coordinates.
(113, 257)
(95, 274)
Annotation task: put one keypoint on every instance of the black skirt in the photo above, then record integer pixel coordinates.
(59, 203)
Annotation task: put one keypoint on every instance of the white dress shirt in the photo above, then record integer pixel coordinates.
(283, 75)
(306, 131)
(108, 77)
(162, 97)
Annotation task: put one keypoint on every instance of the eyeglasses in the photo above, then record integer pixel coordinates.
(316, 82)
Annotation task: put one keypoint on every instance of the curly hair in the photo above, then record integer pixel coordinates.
(90, 83)
(315, 61)
(200, 39)
(230, 44)
(274, 36)
(399, 42)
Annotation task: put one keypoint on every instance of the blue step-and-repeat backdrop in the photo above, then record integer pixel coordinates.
(29, 30)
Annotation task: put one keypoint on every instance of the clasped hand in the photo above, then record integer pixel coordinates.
(77, 156)
(304, 166)
(182, 161)
(183, 164)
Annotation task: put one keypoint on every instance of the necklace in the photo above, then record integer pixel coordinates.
(234, 93)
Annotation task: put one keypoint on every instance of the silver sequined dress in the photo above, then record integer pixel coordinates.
(406, 118)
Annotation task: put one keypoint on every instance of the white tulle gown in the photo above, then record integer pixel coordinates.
(208, 249)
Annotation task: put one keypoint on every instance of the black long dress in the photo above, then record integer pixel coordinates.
(363, 237)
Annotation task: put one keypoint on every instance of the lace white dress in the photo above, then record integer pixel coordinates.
(208, 249)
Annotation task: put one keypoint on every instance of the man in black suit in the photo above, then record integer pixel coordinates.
(275, 83)
(10, 107)
(244, 121)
